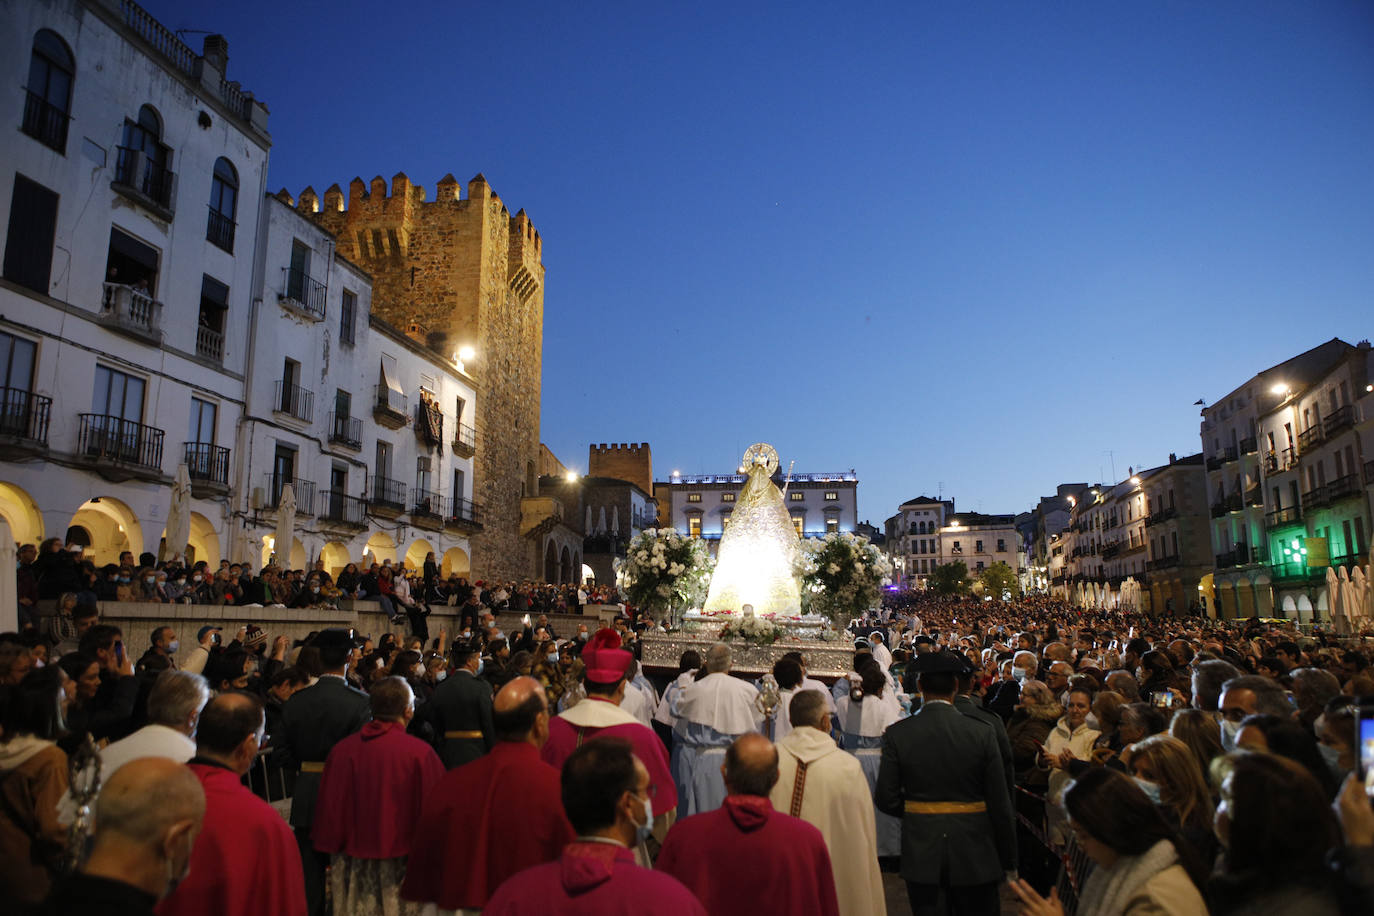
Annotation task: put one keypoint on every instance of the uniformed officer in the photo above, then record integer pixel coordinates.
(312, 722)
(459, 710)
(942, 773)
(969, 707)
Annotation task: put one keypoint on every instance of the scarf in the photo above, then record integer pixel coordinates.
(1108, 890)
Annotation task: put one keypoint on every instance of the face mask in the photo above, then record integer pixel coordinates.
(1151, 789)
(1229, 731)
(1018, 674)
(418, 670)
(553, 657)
(644, 830)
(314, 588)
(1332, 756)
(440, 674)
(150, 579)
(481, 664)
(179, 583)
(195, 578)
(173, 646)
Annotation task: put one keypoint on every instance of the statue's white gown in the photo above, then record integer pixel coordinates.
(754, 564)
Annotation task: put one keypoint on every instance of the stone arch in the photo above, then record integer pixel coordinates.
(1304, 606)
(335, 557)
(18, 508)
(1290, 607)
(455, 563)
(588, 575)
(113, 528)
(415, 554)
(565, 566)
(382, 547)
(296, 560)
(550, 562)
(204, 543)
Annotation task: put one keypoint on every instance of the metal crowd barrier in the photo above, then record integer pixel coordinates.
(1074, 864)
(273, 785)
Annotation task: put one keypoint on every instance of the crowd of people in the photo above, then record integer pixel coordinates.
(1181, 765)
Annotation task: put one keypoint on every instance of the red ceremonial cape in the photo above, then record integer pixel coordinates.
(593, 879)
(744, 858)
(565, 734)
(485, 821)
(375, 786)
(245, 860)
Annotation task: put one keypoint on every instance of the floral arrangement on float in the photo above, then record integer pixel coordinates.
(842, 575)
(760, 631)
(666, 570)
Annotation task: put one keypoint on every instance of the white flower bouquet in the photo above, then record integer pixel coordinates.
(841, 575)
(665, 569)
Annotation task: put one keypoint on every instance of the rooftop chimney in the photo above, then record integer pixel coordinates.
(216, 52)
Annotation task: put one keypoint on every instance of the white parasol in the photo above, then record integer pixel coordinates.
(286, 526)
(179, 515)
(9, 586)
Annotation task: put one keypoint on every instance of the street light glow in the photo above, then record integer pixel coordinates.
(466, 353)
(1280, 388)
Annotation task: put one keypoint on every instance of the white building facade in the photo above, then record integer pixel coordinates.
(700, 505)
(912, 539)
(978, 541)
(130, 170)
(371, 428)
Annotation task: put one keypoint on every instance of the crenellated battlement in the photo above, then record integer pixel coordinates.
(632, 461)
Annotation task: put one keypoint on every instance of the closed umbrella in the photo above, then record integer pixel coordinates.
(587, 528)
(1333, 596)
(179, 515)
(615, 522)
(601, 521)
(9, 586)
(286, 526)
(1359, 594)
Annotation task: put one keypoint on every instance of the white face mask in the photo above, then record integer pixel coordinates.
(1229, 731)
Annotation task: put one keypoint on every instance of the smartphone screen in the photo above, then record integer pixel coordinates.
(1364, 727)
(119, 653)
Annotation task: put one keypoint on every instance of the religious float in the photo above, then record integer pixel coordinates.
(767, 592)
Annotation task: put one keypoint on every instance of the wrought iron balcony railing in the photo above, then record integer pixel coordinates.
(24, 415)
(208, 462)
(45, 122)
(106, 437)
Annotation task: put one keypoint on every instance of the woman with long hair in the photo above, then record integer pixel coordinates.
(1140, 865)
(1286, 738)
(33, 777)
(1165, 768)
(1276, 827)
(1199, 731)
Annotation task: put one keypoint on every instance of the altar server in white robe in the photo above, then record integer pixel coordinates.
(862, 718)
(712, 712)
(881, 654)
(640, 699)
(825, 787)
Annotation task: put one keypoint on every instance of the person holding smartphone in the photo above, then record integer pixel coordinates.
(108, 715)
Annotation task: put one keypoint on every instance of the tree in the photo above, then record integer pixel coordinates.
(998, 580)
(950, 579)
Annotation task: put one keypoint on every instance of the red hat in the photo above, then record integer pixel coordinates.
(606, 662)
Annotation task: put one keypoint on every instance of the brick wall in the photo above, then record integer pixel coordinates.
(631, 462)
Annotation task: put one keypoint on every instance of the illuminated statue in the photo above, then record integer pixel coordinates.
(758, 547)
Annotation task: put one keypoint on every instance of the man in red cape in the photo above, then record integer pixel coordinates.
(609, 800)
(744, 858)
(245, 859)
(493, 817)
(396, 773)
(600, 715)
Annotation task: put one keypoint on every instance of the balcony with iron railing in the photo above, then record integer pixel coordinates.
(1343, 488)
(209, 344)
(131, 311)
(1249, 445)
(304, 491)
(387, 495)
(45, 122)
(389, 407)
(1231, 453)
(302, 293)
(1311, 437)
(1254, 496)
(24, 419)
(1214, 463)
(1339, 419)
(464, 440)
(294, 401)
(103, 438)
(219, 230)
(145, 181)
(346, 431)
(427, 508)
(463, 514)
(338, 508)
(1313, 498)
(1235, 502)
(207, 463)
(1281, 517)
(1163, 515)
(1163, 563)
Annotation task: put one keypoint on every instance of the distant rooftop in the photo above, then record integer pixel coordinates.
(827, 477)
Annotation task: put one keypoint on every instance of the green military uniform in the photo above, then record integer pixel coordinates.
(942, 773)
(312, 722)
(968, 707)
(459, 711)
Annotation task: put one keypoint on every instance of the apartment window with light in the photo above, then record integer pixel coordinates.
(796, 497)
(831, 495)
(694, 527)
(727, 497)
(797, 523)
(832, 526)
(694, 497)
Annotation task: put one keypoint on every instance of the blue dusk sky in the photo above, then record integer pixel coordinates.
(971, 246)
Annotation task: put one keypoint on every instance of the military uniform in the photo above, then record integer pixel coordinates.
(942, 773)
(312, 722)
(968, 707)
(459, 711)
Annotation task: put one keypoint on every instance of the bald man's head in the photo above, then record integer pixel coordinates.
(520, 712)
(146, 821)
(751, 766)
(230, 730)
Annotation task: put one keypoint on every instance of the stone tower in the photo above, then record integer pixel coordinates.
(468, 274)
(623, 461)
